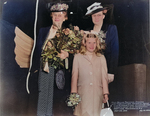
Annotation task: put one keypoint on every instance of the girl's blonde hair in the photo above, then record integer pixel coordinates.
(98, 49)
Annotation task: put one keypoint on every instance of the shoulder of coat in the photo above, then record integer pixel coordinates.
(78, 55)
(101, 56)
(112, 27)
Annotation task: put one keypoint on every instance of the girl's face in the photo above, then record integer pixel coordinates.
(98, 17)
(58, 18)
(90, 44)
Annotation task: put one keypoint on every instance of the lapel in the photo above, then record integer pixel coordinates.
(46, 33)
(104, 28)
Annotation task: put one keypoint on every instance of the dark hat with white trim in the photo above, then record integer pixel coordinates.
(96, 7)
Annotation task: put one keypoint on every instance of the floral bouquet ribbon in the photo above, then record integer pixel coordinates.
(73, 100)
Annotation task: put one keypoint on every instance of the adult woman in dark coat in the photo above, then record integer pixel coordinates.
(97, 12)
(51, 100)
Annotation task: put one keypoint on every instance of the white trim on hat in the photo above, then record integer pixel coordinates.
(94, 4)
(93, 7)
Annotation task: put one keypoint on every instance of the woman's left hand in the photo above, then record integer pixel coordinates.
(63, 54)
(105, 98)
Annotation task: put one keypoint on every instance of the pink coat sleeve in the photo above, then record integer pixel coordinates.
(75, 66)
(104, 76)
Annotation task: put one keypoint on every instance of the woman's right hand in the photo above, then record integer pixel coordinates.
(63, 54)
(54, 26)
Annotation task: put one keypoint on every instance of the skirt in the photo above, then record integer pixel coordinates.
(46, 88)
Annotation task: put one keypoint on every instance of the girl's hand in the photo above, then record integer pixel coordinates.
(63, 54)
(105, 98)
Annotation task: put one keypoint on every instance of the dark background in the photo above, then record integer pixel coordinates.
(130, 16)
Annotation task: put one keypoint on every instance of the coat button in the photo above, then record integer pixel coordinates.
(91, 83)
(90, 73)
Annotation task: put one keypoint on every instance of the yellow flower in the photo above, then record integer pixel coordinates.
(66, 31)
(69, 43)
(55, 58)
(71, 34)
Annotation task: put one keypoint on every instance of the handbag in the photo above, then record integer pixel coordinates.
(106, 111)
(60, 79)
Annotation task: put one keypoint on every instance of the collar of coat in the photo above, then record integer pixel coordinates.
(93, 57)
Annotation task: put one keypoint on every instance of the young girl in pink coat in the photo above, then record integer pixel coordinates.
(89, 77)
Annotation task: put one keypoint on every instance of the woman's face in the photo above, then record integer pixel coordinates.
(98, 17)
(90, 44)
(58, 18)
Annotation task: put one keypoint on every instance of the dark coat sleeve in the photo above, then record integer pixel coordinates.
(71, 56)
(112, 49)
(34, 72)
(38, 49)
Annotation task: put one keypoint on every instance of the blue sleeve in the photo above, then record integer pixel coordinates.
(112, 50)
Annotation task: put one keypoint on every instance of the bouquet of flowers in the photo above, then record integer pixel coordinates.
(66, 39)
(73, 100)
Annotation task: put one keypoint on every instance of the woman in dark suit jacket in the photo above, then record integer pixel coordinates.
(97, 12)
(51, 98)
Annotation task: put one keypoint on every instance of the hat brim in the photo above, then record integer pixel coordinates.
(97, 10)
(58, 11)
